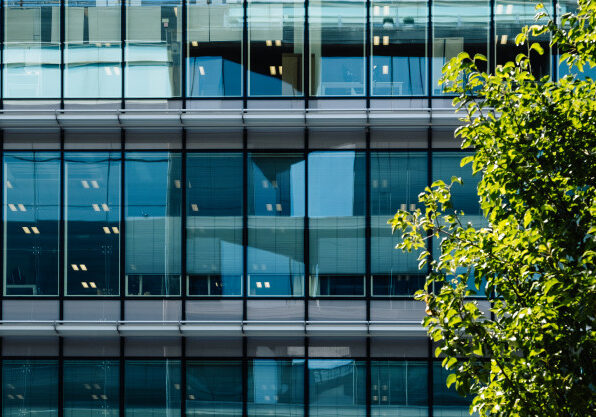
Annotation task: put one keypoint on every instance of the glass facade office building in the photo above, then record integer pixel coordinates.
(195, 198)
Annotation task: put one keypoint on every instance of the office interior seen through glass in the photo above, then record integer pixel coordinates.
(84, 49)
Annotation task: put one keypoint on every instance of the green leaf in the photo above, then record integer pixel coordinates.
(451, 378)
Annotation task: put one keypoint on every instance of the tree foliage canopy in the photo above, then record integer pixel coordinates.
(535, 148)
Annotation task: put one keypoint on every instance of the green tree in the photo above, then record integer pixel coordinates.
(535, 148)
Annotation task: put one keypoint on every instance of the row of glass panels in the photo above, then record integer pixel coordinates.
(93, 190)
(95, 66)
(336, 387)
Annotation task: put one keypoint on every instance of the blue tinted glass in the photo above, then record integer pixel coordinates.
(30, 388)
(91, 388)
(276, 388)
(276, 203)
(92, 52)
(31, 223)
(336, 208)
(214, 388)
(337, 33)
(214, 224)
(153, 184)
(214, 48)
(399, 389)
(458, 26)
(153, 48)
(337, 387)
(31, 55)
(92, 215)
(399, 32)
(446, 401)
(396, 181)
(276, 31)
(570, 6)
(152, 388)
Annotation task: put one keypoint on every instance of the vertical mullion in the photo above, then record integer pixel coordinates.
(244, 223)
(553, 49)
(245, 46)
(368, 379)
(1, 61)
(62, 234)
(430, 377)
(306, 59)
(306, 232)
(492, 39)
(184, 52)
(122, 52)
(429, 174)
(183, 289)
(122, 241)
(367, 54)
(306, 400)
(429, 49)
(244, 377)
(60, 376)
(367, 227)
(62, 42)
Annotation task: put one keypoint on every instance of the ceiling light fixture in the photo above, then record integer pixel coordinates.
(26, 230)
(75, 267)
(84, 183)
(12, 207)
(115, 230)
(35, 230)
(21, 207)
(95, 207)
(106, 230)
(94, 184)
(84, 284)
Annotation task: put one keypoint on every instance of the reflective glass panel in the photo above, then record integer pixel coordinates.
(92, 53)
(30, 388)
(214, 48)
(153, 184)
(396, 180)
(446, 401)
(399, 389)
(336, 209)
(153, 48)
(276, 32)
(91, 388)
(214, 388)
(276, 388)
(337, 387)
(276, 203)
(214, 224)
(152, 388)
(92, 223)
(337, 31)
(510, 17)
(458, 26)
(31, 49)
(399, 32)
(31, 223)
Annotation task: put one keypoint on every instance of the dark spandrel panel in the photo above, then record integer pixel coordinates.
(276, 388)
(276, 205)
(399, 388)
(214, 48)
(337, 387)
(337, 31)
(404, 138)
(30, 346)
(396, 347)
(399, 37)
(31, 55)
(275, 310)
(153, 49)
(91, 388)
(152, 388)
(276, 31)
(214, 346)
(202, 310)
(30, 386)
(92, 216)
(96, 310)
(269, 347)
(152, 346)
(91, 346)
(153, 310)
(34, 310)
(337, 310)
(336, 207)
(153, 190)
(214, 388)
(458, 26)
(510, 18)
(336, 347)
(31, 223)
(214, 224)
(92, 50)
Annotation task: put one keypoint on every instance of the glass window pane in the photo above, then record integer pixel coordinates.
(446, 401)
(276, 388)
(214, 63)
(276, 32)
(153, 48)
(93, 52)
(337, 387)
(510, 18)
(30, 385)
(399, 388)
(214, 388)
(31, 49)
(92, 216)
(152, 388)
(570, 6)
(214, 224)
(337, 30)
(153, 223)
(91, 388)
(276, 203)
(396, 181)
(336, 209)
(399, 31)
(458, 26)
(31, 223)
